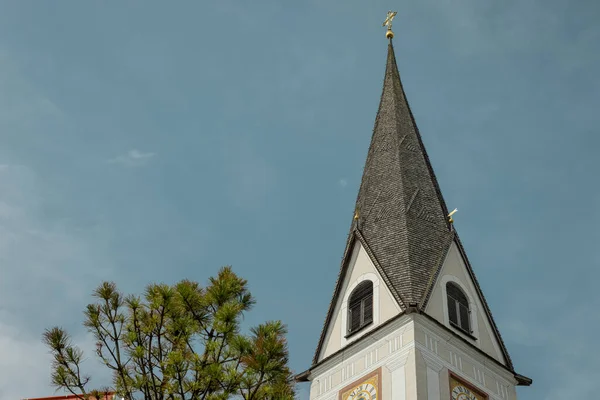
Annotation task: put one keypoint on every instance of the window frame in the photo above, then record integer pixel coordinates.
(474, 305)
(452, 301)
(377, 288)
(362, 301)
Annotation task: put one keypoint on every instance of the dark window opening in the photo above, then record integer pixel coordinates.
(458, 308)
(360, 307)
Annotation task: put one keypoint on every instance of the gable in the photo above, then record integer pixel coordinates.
(359, 268)
(455, 269)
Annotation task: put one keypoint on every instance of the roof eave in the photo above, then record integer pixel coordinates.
(303, 376)
(306, 375)
(355, 235)
(523, 380)
(345, 259)
(485, 304)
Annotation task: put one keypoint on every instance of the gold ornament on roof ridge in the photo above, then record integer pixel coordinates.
(388, 22)
(450, 219)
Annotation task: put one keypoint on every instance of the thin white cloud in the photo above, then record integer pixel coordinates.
(47, 273)
(22, 351)
(343, 182)
(133, 158)
(45, 262)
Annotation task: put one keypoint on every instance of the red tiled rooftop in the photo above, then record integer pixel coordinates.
(108, 396)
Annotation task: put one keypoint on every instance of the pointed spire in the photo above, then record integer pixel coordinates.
(403, 218)
(400, 217)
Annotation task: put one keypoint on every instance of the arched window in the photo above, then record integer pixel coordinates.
(360, 307)
(458, 307)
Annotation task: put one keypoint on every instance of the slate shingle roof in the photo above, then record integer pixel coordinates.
(401, 215)
(401, 212)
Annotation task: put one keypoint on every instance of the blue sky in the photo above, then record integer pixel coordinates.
(144, 142)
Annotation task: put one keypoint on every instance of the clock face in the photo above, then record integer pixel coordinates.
(363, 392)
(367, 388)
(460, 390)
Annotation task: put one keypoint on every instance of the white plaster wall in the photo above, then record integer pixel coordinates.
(385, 307)
(415, 355)
(388, 348)
(441, 354)
(455, 270)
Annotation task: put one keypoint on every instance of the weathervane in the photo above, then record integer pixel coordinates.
(388, 22)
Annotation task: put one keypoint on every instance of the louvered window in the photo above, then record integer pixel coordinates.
(458, 307)
(360, 307)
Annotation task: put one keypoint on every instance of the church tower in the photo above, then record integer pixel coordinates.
(408, 320)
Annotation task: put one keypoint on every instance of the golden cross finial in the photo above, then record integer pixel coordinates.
(388, 22)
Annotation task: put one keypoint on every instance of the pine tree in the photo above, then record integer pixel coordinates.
(179, 342)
